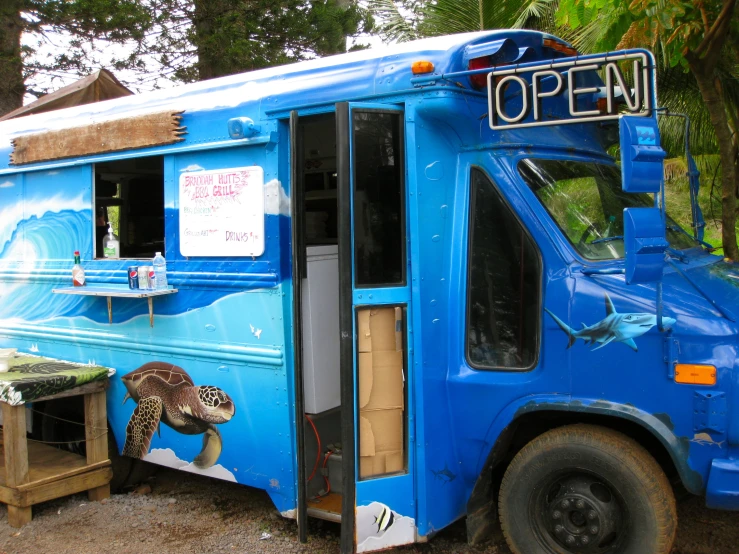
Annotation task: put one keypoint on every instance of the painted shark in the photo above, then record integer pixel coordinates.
(614, 327)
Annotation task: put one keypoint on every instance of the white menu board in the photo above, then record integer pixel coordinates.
(222, 212)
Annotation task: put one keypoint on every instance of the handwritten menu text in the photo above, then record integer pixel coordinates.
(222, 212)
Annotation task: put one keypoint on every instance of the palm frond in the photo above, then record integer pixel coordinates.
(392, 24)
(536, 14)
(451, 16)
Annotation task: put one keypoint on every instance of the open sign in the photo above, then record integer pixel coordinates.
(554, 94)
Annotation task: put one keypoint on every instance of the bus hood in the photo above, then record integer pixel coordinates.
(719, 283)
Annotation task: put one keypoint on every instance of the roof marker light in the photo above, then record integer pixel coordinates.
(421, 67)
(560, 47)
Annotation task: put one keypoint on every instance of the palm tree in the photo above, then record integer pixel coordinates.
(404, 20)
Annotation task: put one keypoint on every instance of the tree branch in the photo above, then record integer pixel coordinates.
(704, 16)
(714, 39)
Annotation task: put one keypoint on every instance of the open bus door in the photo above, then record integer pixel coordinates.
(378, 508)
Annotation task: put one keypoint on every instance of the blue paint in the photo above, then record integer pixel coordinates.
(722, 492)
(230, 324)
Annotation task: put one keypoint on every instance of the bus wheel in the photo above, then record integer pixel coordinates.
(584, 489)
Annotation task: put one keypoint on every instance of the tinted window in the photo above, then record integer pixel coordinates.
(504, 273)
(379, 226)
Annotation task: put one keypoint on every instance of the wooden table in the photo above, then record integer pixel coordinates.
(33, 472)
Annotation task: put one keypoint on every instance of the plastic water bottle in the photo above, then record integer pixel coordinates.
(160, 270)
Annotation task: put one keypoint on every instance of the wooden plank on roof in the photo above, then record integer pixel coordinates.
(97, 138)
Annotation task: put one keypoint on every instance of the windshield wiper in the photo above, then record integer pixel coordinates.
(679, 229)
(607, 239)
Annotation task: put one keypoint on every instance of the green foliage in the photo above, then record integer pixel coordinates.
(183, 40)
(398, 20)
(677, 195)
(84, 23)
(228, 36)
(670, 27)
(403, 20)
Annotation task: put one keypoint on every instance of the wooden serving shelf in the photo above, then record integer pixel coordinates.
(111, 292)
(31, 472)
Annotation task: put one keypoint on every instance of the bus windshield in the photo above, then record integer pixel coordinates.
(586, 201)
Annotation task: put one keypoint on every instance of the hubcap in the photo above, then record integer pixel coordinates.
(582, 514)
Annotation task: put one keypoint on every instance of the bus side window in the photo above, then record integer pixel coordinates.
(379, 193)
(503, 284)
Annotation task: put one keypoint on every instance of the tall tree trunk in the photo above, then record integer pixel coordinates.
(209, 39)
(702, 62)
(728, 153)
(12, 87)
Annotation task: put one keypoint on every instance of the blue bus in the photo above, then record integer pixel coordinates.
(404, 286)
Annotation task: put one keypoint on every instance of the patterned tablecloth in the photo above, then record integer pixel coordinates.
(31, 377)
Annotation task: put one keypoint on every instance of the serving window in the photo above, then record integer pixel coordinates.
(130, 195)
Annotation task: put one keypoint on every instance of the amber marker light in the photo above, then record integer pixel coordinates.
(419, 68)
(560, 47)
(695, 374)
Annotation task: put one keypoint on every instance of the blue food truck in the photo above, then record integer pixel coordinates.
(405, 286)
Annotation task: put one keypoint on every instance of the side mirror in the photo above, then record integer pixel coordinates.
(645, 245)
(642, 156)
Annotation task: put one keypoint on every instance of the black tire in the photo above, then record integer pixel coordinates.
(584, 489)
(63, 425)
(121, 465)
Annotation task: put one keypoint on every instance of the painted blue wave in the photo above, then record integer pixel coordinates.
(53, 236)
(33, 244)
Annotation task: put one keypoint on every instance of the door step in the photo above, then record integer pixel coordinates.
(326, 507)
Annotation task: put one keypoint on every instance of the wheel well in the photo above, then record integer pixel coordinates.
(531, 425)
(482, 505)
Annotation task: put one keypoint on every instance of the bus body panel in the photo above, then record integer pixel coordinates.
(230, 325)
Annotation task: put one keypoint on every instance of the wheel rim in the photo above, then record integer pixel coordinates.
(580, 513)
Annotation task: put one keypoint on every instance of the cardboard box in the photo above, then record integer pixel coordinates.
(381, 388)
(380, 380)
(380, 442)
(379, 329)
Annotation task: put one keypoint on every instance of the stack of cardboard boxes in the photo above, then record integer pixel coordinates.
(381, 391)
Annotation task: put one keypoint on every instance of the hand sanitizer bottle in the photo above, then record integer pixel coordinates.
(111, 244)
(160, 270)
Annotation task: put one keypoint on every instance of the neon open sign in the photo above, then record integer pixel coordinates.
(537, 85)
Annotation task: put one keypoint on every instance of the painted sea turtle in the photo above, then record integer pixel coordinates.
(165, 393)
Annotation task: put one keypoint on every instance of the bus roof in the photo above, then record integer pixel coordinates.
(361, 75)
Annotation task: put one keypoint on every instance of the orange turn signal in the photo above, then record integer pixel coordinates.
(695, 374)
(419, 68)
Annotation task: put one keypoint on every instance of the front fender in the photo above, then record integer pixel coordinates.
(658, 425)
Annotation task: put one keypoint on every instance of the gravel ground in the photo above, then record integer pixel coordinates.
(190, 514)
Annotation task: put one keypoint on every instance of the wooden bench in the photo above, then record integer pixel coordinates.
(33, 472)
